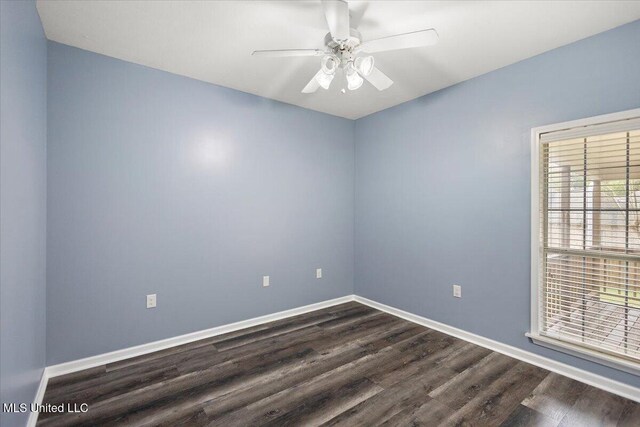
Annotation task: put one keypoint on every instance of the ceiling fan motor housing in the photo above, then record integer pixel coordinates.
(345, 51)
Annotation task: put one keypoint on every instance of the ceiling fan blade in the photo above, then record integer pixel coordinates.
(337, 14)
(401, 41)
(379, 79)
(312, 86)
(288, 52)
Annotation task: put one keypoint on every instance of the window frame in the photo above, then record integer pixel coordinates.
(534, 332)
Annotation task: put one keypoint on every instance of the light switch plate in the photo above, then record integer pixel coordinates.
(318, 273)
(457, 291)
(151, 301)
(265, 281)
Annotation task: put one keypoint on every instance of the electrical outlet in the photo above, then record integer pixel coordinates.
(457, 291)
(265, 281)
(151, 301)
(318, 273)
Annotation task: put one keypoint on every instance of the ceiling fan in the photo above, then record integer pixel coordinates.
(345, 48)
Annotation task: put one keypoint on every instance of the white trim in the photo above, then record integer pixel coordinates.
(33, 416)
(612, 386)
(126, 353)
(598, 126)
(586, 353)
(586, 377)
(535, 227)
(534, 332)
(589, 121)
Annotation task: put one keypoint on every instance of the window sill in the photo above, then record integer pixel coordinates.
(585, 353)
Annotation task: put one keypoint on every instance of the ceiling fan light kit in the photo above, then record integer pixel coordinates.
(354, 81)
(329, 64)
(324, 79)
(343, 50)
(364, 65)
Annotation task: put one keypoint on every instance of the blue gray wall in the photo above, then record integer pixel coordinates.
(443, 186)
(23, 130)
(163, 184)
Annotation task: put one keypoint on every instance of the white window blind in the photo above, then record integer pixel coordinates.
(589, 260)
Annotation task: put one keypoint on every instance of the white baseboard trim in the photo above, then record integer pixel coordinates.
(33, 416)
(126, 353)
(612, 386)
(616, 387)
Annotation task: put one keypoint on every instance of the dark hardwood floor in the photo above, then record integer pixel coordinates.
(347, 365)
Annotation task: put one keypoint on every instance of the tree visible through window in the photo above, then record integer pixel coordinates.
(590, 235)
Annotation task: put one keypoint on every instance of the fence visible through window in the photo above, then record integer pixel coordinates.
(590, 235)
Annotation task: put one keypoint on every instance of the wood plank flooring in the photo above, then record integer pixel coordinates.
(347, 365)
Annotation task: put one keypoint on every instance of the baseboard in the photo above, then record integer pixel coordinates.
(612, 386)
(126, 353)
(33, 416)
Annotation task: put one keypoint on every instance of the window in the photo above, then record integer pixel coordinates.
(586, 238)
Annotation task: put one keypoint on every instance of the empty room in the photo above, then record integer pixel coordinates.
(319, 212)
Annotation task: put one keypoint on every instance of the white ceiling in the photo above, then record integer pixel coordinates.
(213, 40)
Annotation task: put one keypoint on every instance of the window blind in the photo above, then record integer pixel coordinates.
(589, 293)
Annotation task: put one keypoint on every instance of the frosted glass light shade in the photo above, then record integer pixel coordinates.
(364, 64)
